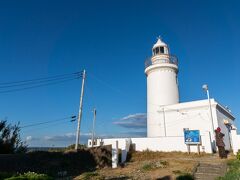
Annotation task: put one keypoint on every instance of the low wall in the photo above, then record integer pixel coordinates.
(165, 144)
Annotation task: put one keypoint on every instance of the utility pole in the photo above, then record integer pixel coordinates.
(94, 120)
(80, 110)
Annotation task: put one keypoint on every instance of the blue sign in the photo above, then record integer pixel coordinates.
(192, 137)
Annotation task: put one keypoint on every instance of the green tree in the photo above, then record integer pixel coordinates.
(10, 141)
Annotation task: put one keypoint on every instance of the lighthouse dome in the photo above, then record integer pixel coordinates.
(159, 43)
(160, 47)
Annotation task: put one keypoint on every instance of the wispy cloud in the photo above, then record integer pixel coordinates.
(135, 121)
(31, 138)
(68, 137)
(28, 138)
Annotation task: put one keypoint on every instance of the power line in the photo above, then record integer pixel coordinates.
(37, 82)
(44, 126)
(71, 118)
(43, 78)
(104, 83)
(36, 86)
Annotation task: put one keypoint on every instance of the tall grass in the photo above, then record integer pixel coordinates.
(233, 172)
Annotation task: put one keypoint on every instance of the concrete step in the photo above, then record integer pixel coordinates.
(205, 173)
(209, 169)
(210, 165)
(206, 176)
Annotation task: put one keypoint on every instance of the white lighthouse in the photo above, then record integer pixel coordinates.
(162, 87)
(168, 119)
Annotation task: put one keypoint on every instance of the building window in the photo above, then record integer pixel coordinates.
(162, 50)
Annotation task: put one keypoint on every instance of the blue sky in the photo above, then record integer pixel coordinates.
(111, 40)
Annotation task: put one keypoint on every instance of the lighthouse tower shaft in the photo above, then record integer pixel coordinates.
(162, 87)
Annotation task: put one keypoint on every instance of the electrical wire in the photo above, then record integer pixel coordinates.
(104, 83)
(71, 118)
(44, 78)
(36, 86)
(38, 82)
(44, 126)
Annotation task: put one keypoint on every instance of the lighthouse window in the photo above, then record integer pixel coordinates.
(162, 50)
(157, 50)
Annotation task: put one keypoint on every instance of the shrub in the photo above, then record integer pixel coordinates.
(31, 176)
(4, 175)
(185, 177)
(154, 165)
(238, 155)
(10, 141)
(147, 167)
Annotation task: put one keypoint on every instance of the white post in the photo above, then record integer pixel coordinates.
(80, 111)
(210, 109)
(205, 87)
(125, 150)
(114, 154)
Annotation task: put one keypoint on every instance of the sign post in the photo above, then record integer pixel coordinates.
(192, 137)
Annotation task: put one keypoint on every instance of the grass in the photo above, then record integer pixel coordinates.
(154, 165)
(147, 167)
(151, 155)
(233, 171)
(91, 175)
(30, 176)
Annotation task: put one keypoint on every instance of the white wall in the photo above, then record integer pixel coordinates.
(235, 141)
(165, 144)
(194, 115)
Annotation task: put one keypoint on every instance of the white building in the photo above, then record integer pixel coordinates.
(167, 118)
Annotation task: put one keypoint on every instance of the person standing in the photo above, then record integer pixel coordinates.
(220, 144)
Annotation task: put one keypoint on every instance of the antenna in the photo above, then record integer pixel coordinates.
(159, 38)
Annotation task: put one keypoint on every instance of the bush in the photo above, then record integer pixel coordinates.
(31, 176)
(10, 141)
(147, 167)
(238, 155)
(185, 177)
(4, 175)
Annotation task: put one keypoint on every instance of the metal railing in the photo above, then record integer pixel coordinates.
(171, 59)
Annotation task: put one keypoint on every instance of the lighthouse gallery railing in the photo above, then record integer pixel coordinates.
(171, 59)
